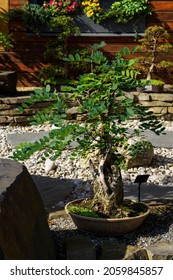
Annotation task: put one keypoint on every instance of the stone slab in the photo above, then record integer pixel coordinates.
(52, 191)
(149, 192)
(161, 96)
(159, 110)
(15, 139)
(155, 103)
(160, 251)
(113, 251)
(163, 140)
(80, 248)
(170, 110)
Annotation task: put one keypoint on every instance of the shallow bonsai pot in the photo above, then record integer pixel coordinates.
(157, 88)
(139, 89)
(104, 226)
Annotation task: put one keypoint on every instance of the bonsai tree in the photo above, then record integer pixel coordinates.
(155, 48)
(103, 136)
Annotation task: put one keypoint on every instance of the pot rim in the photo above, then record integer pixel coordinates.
(103, 219)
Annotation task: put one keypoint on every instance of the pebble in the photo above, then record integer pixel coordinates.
(161, 172)
(49, 165)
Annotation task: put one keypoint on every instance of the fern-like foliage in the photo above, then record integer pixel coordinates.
(100, 96)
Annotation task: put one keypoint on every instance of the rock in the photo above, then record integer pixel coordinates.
(78, 248)
(72, 111)
(157, 251)
(24, 231)
(138, 254)
(144, 156)
(110, 251)
(160, 251)
(49, 165)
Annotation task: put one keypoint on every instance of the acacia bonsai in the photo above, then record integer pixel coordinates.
(100, 97)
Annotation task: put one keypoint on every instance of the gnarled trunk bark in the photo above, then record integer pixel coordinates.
(108, 186)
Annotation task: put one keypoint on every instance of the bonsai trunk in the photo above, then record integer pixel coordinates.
(150, 72)
(153, 54)
(107, 186)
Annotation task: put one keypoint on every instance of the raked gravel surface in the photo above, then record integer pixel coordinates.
(159, 227)
(161, 170)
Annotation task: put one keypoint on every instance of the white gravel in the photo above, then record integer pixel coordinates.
(161, 170)
(157, 228)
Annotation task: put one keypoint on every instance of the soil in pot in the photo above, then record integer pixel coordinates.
(128, 218)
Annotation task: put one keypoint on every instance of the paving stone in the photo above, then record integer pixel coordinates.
(114, 251)
(80, 248)
(160, 251)
(111, 251)
(53, 190)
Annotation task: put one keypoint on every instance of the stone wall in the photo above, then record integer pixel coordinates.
(9, 113)
(160, 103)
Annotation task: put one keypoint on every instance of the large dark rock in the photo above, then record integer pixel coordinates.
(8, 82)
(24, 232)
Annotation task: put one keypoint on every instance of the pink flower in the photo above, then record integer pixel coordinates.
(60, 3)
(44, 5)
(70, 9)
(74, 4)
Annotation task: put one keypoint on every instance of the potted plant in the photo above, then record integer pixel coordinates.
(102, 137)
(122, 11)
(155, 48)
(156, 85)
(140, 85)
(37, 18)
(8, 79)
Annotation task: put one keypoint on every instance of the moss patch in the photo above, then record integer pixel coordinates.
(128, 209)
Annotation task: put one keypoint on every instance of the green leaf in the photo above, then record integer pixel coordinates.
(71, 58)
(98, 46)
(77, 57)
(25, 105)
(48, 88)
(130, 111)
